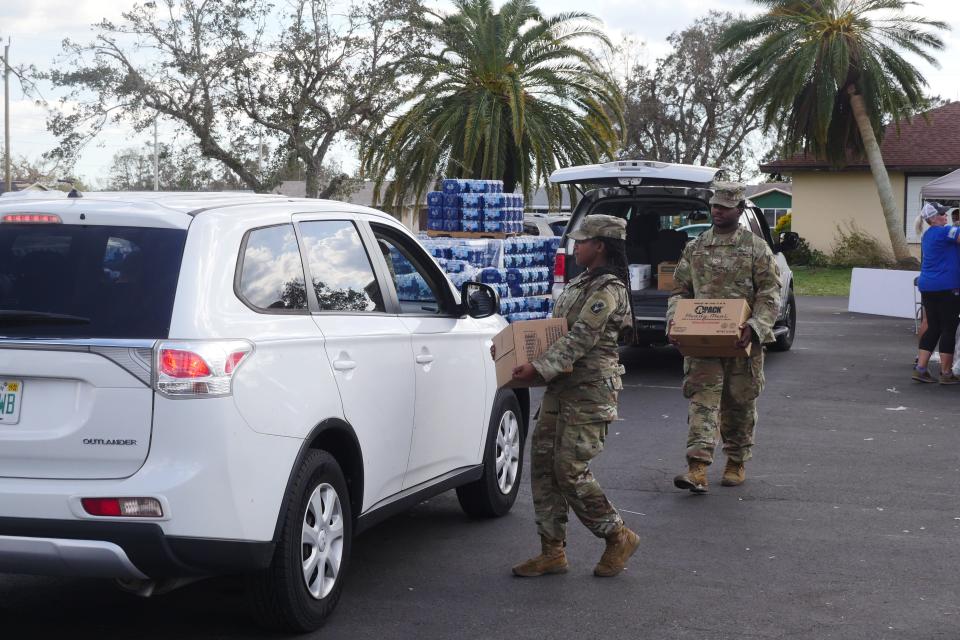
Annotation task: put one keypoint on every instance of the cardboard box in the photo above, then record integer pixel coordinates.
(522, 342)
(665, 280)
(640, 276)
(710, 328)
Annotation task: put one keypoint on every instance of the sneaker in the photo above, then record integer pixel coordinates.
(923, 376)
(949, 378)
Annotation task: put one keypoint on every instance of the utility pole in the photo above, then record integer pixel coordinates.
(6, 117)
(156, 158)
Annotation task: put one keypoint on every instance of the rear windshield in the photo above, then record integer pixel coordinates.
(655, 214)
(75, 281)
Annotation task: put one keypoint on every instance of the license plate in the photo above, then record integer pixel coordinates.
(11, 396)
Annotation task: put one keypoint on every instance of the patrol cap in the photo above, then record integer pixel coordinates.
(600, 226)
(728, 194)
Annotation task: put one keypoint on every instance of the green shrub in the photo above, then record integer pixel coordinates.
(853, 247)
(805, 255)
(783, 224)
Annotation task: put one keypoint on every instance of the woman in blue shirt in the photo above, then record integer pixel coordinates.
(939, 285)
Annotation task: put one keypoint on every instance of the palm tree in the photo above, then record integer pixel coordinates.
(826, 73)
(507, 95)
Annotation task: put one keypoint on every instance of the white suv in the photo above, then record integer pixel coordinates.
(176, 401)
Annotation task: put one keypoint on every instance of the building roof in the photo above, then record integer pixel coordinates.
(927, 142)
(755, 190)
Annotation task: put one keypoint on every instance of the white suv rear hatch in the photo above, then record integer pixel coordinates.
(81, 304)
(647, 173)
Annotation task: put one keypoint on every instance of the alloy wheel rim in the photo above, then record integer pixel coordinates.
(508, 452)
(321, 541)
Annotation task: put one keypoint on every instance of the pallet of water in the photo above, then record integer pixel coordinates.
(474, 207)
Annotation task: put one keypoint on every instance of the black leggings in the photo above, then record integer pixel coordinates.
(942, 309)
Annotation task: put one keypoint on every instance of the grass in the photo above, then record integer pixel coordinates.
(821, 281)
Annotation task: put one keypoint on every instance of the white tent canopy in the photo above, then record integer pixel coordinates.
(943, 188)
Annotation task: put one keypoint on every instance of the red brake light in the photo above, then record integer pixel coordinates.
(101, 506)
(183, 364)
(32, 218)
(560, 266)
(233, 360)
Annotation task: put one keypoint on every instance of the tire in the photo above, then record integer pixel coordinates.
(495, 492)
(284, 597)
(785, 341)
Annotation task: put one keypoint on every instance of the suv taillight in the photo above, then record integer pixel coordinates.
(200, 369)
(560, 266)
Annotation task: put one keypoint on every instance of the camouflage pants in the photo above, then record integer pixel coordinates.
(560, 474)
(723, 397)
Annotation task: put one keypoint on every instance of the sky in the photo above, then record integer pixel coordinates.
(37, 29)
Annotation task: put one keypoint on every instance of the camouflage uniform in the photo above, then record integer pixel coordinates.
(723, 391)
(578, 406)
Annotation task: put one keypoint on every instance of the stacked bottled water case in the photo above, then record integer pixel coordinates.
(519, 269)
(474, 206)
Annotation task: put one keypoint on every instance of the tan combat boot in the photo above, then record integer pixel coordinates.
(552, 559)
(620, 546)
(695, 479)
(733, 474)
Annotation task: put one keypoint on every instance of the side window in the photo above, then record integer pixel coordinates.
(271, 272)
(418, 288)
(749, 220)
(341, 275)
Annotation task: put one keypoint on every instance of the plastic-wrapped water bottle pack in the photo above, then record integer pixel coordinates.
(518, 269)
(460, 185)
(479, 253)
(531, 244)
(510, 306)
(469, 274)
(515, 317)
(411, 286)
(474, 206)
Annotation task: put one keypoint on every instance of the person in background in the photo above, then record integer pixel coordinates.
(939, 285)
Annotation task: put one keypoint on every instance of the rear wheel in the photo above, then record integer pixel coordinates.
(495, 492)
(303, 584)
(785, 340)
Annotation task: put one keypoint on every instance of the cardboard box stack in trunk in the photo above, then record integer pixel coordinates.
(710, 328)
(665, 281)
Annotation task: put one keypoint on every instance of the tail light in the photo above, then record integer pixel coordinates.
(199, 369)
(123, 507)
(31, 218)
(560, 266)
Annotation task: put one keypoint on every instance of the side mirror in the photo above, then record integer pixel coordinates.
(479, 300)
(789, 241)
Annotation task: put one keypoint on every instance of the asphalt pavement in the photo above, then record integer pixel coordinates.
(848, 527)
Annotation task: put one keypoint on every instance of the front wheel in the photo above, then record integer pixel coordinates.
(303, 583)
(495, 492)
(785, 340)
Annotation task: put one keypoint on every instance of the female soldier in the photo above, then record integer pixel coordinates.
(582, 372)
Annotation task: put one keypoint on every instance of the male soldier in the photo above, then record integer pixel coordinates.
(726, 261)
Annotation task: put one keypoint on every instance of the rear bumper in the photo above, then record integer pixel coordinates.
(120, 550)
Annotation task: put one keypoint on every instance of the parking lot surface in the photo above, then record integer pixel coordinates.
(847, 526)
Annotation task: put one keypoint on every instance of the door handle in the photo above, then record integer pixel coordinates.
(344, 365)
(424, 358)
